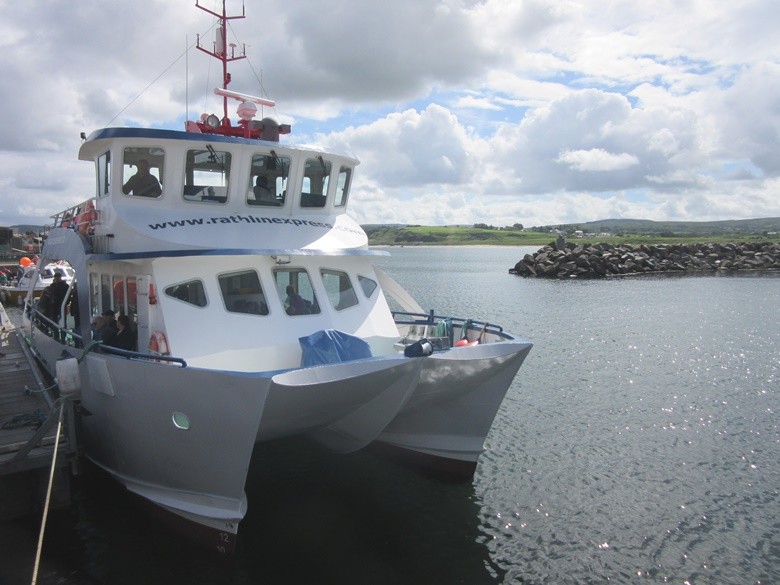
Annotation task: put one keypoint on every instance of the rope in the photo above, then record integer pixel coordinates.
(35, 419)
(87, 349)
(48, 497)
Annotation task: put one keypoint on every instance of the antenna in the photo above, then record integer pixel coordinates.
(220, 46)
(265, 129)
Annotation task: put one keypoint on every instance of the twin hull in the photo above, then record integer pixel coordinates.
(182, 437)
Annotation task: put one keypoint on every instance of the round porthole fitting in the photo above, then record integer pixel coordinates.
(181, 421)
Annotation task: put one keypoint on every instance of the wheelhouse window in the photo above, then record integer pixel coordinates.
(206, 175)
(142, 170)
(242, 293)
(191, 292)
(104, 174)
(368, 285)
(296, 291)
(268, 179)
(339, 289)
(316, 177)
(342, 187)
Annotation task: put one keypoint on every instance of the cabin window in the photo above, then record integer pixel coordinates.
(111, 292)
(296, 291)
(242, 293)
(342, 187)
(368, 285)
(118, 293)
(142, 171)
(105, 292)
(316, 176)
(206, 175)
(124, 295)
(339, 289)
(131, 295)
(268, 179)
(94, 294)
(191, 292)
(104, 174)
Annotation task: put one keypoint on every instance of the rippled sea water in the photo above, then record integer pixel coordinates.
(639, 443)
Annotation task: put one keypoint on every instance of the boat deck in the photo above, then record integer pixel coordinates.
(24, 409)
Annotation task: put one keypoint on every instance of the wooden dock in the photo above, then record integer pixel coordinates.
(28, 425)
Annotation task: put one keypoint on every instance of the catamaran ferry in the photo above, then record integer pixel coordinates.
(256, 314)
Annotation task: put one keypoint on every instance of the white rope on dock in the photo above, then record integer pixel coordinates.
(48, 496)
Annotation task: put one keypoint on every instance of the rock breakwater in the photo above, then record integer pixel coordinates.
(600, 260)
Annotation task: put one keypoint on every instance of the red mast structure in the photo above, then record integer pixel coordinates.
(266, 129)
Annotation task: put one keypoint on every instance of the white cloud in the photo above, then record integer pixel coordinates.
(494, 111)
(597, 159)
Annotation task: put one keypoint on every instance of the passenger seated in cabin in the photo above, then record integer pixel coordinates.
(142, 183)
(295, 303)
(108, 327)
(98, 322)
(123, 337)
(263, 195)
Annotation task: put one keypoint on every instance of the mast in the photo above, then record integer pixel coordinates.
(266, 129)
(220, 51)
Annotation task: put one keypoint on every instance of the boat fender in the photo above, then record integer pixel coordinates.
(158, 344)
(68, 377)
(420, 348)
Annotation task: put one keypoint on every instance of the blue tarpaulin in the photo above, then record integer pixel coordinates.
(330, 346)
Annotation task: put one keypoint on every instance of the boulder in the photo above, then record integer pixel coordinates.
(565, 260)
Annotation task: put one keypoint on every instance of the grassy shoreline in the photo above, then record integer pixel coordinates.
(465, 236)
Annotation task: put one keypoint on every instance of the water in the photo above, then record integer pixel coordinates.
(639, 443)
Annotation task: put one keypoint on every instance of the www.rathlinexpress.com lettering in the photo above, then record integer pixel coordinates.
(247, 219)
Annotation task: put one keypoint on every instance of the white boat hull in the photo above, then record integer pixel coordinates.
(453, 407)
(440, 406)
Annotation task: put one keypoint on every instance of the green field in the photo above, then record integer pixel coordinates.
(620, 232)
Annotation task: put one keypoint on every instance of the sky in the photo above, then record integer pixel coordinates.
(538, 112)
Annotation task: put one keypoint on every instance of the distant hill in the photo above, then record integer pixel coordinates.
(682, 228)
(625, 230)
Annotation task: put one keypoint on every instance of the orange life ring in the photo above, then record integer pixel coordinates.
(158, 344)
(86, 220)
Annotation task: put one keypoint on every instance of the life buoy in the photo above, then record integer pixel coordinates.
(158, 344)
(86, 220)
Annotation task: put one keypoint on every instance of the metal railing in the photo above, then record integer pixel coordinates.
(73, 338)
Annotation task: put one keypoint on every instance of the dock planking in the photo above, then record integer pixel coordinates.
(23, 400)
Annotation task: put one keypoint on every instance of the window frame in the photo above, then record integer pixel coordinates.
(337, 297)
(199, 185)
(154, 155)
(280, 182)
(231, 300)
(295, 280)
(199, 281)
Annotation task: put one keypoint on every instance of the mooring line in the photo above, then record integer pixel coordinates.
(48, 496)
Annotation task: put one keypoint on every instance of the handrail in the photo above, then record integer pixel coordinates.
(62, 334)
(146, 356)
(430, 319)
